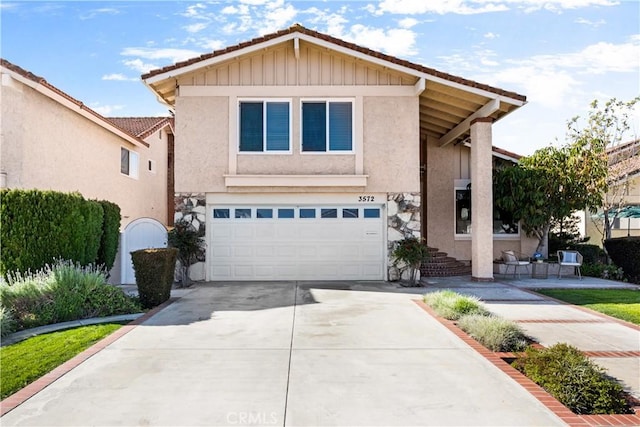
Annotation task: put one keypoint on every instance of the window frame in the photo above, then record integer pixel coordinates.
(264, 102)
(328, 150)
(133, 163)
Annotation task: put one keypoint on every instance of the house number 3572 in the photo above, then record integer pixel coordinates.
(366, 198)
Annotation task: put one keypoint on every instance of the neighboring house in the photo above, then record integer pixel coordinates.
(624, 192)
(306, 157)
(51, 141)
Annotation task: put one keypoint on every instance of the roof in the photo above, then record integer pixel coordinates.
(624, 160)
(82, 108)
(508, 154)
(448, 103)
(141, 126)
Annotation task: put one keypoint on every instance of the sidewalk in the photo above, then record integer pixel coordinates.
(613, 344)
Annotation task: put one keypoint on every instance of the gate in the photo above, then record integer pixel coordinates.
(143, 233)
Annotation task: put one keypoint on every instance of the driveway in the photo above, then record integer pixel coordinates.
(287, 353)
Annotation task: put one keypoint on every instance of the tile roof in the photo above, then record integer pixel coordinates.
(506, 153)
(297, 28)
(624, 160)
(141, 126)
(41, 81)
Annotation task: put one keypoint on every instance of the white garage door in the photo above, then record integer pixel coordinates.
(296, 243)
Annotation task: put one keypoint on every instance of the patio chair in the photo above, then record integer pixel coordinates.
(570, 258)
(515, 259)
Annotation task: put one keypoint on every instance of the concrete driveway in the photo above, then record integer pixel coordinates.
(287, 353)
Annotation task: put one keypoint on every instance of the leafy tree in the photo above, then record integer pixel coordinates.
(607, 126)
(551, 184)
(190, 245)
(565, 233)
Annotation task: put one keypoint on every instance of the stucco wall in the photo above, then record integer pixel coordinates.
(47, 146)
(444, 166)
(201, 144)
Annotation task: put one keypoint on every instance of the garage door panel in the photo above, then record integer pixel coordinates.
(298, 248)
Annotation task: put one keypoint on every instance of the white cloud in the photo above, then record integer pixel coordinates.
(408, 22)
(469, 7)
(395, 41)
(139, 66)
(197, 27)
(102, 11)
(594, 24)
(277, 18)
(491, 36)
(105, 110)
(211, 44)
(194, 11)
(174, 55)
(119, 77)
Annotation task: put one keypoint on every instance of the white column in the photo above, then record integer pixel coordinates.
(481, 200)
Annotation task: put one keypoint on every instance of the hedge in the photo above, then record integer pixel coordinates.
(154, 270)
(37, 227)
(625, 253)
(110, 234)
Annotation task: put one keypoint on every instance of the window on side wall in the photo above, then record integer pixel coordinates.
(327, 126)
(503, 222)
(264, 126)
(128, 162)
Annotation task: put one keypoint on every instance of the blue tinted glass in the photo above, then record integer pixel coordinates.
(314, 126)
(350, 213)
(264, 213)
(243, 213)
(277, 126)
(307, 213)
(285, 213)
(329, 213)
(340, 126)
(221, 213)
(372, 213)
(251, 126)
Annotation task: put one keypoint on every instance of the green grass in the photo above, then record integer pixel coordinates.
(620, 303)
(26, 361)
(452, 305)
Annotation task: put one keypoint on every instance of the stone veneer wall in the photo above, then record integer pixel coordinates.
(403, 220)
(192, 207)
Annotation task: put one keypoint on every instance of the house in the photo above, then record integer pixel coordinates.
(305, 157)
(52, 141)
(623, 197)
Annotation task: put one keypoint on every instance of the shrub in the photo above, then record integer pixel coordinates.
(190, 245)
(452, 306)
(37, 227)
(409, 254)
(62, 292)
(573, 379)
(495, 333)
(603, 271)
(591, 254)
(625, 253)
(154, 270)
(110, 235)
(7, 322)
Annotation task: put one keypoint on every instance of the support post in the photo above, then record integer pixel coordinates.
(481, 200)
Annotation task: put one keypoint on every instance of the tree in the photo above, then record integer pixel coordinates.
(607, 127)
(551, 184)
(190, 245)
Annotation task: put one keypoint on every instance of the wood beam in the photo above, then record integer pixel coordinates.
(488, 109)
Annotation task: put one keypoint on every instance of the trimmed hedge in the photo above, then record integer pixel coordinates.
(591, 254)
(110, 234)
(154, 269)
(625, 253)
(37, 227)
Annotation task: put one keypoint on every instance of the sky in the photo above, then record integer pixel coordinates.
(561, 54)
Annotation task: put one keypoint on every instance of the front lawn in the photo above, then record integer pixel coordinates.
(26, 361)
(620, 303)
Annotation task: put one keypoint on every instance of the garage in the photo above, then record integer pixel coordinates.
(296, 242)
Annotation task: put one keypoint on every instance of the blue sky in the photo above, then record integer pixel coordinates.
(561, 54)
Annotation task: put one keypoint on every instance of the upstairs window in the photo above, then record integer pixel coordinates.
(264, 126)
(327, 126)
(128, 162)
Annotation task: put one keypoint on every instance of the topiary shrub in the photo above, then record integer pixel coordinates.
(573, 379)
(625, 253)
(495, 333)
(110, 234)
(154, 270)
(190, 245)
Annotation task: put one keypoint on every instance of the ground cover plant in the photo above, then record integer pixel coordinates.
(26, 361)
(493, 332)
(620, 303)
(61, 292)
(452, 305)
(573, 379)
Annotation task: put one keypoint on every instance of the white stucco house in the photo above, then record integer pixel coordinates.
(305, 157)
